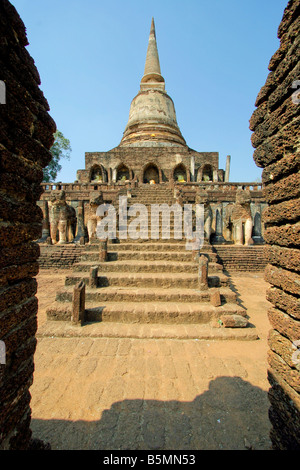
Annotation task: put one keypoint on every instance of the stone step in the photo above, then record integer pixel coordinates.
(154, 225)
(148, 203)
(203, 331)
(242, 258)
(147, 245)
(160, 197)
(142, 279)
(151, 221)
(151, 194)
(144, 255)
(127, 294)
(154, 312)
(137, 266)
(149, 233)
(153, 233)
(157, 192)
(241, 254)
(151, 245)
(148, 237)
(240, 251)
(153, 187)
(152, 199)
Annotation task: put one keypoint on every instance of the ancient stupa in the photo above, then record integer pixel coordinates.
(152, 147)
(152, 117)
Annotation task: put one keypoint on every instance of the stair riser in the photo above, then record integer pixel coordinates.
(161, 228)
(179, 268)
(158, 200)
(145, 256)
(140, 245)
(106, 281)
(100, 297)
(145, 317)
(104, 314)
(144, 241)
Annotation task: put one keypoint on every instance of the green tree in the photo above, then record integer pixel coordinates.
(60, 149)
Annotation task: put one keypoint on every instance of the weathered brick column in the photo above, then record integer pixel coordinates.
(93, 279)
(275, 123)
(103, 250)
(203, 273)
(78, 304)
(26, 135)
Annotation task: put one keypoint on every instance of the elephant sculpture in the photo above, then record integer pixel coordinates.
(90, 216)
(62, 219)
(238, 218)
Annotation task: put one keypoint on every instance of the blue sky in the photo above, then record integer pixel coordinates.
(214, 57)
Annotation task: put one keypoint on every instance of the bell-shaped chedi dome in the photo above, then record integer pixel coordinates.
(152, 117)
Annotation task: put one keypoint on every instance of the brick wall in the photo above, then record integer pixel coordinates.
(275, 123)
(136, 158)
(26, 135)
(241, 258)
(59, 256)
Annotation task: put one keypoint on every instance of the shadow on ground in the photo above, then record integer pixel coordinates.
(231, 415)
(234, 288)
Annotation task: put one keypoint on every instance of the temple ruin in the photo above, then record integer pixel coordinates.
(152, 156)
(116, 280)
(152, 165)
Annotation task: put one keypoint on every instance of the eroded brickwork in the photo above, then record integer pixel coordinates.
(26, 135)
(275, 123)
(59, 257)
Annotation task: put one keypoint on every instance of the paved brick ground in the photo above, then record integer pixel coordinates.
(148, 393)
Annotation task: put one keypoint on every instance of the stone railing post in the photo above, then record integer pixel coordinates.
(93, 280)
(103, 251)
(215, 298)
(78, 306)
(203, 273)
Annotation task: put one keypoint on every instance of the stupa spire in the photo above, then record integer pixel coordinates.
(152, 75)
(152, 118)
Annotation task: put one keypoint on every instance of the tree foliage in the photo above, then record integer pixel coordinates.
(60, 149)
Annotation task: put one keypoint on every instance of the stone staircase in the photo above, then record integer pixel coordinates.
(147, 282)
(150, 281)
(152, 194)
(241, 258)
(59, 256)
